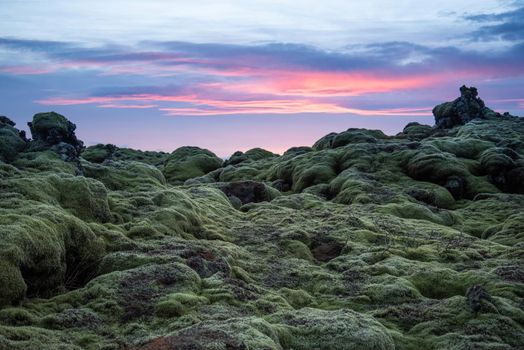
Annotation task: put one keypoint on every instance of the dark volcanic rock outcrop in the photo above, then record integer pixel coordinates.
(99, 153)
(464, 109)
(248, 191)
(53, 131)
(12, 140)
(476, 296)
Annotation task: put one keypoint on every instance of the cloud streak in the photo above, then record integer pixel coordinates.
(214, 79)
(507, 25)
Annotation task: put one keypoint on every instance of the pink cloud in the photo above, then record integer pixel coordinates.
(206, 106)
(127, 106)
(519, 102)
(249, 87)
(329, 84)
(26, 70)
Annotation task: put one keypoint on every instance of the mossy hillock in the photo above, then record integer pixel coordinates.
(189, 162)
(12, 140)
(362, 241)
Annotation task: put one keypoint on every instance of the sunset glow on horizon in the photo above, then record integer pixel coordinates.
(169, 80)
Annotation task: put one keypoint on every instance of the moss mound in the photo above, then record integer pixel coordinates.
(100, 153)
(189, 162)
(12, 141)
(253, 154)
(309, 328)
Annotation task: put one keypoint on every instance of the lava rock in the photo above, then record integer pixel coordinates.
(6, 121)
(12, 140)
(247, 191)
(281, 185)
(475, 295)
(456, 186)
(462, 110)
(53, 131)
(99, 153)
(206, 264)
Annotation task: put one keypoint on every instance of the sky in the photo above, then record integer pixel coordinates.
(233, 75)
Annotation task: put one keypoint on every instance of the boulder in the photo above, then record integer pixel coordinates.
(476, 295)
(53, 131)
(12, 140)
(462, 110)
(249, 191)
(99, 153)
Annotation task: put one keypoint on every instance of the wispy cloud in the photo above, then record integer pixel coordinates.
(507, 25)
(215, 79)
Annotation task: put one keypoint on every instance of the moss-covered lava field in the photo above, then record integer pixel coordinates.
(362, 241)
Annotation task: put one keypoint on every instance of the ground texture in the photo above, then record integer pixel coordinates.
(362, 241)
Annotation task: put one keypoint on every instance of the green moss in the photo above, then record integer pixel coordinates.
(130, 175)
(416, 131)
(298, 249)
(120, 261)
(335, 140)
(253, 154)
(431, 194)
(241, 274)
(269, 303)
(99, 153)
(419, 212)
(469, 148)
(439, 283)
(238, 173)
(16, 316)
(297, 297)
(11, 144)
(47, 249)
(46, 161)
(188, 162)
(13, 285)
(178, 304)
(391, 291)
(42, 122)
(430, 164)
(85, 198)
(444, 110)
(510, 232)
(351, 187)
(342, 329)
